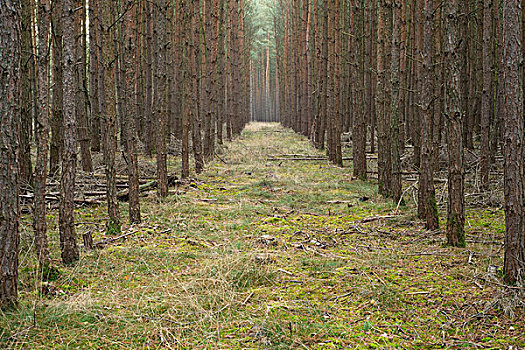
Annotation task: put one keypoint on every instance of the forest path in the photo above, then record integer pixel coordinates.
(265, 254)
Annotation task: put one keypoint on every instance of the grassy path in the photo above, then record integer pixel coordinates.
(260, 254)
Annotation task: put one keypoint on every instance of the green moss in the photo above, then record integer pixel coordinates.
(50, 273)
(198, 273)
(113, 228)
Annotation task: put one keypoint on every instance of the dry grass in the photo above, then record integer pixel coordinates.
(258, 254)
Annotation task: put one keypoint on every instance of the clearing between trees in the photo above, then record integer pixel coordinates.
(263, 252)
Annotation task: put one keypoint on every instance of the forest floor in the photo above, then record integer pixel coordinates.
(258, 253)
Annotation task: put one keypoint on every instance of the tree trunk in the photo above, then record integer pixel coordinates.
(381, 99)
(426, 179)
(68, 239)
(84, 138)
(9, 123)
(26, 102)
(131, 92)
(487, 94)
(160, 96)
(107, 72)
(94, 61)
(196, 78)
(41, 135)
(221, 76)
(57, 120)
(465, 73)
(148, 77)
(188, 83)
(396, 186)
(514, 266)
(454, 113)
(359, 123)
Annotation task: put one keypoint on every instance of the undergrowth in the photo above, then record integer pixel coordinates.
(263, 254)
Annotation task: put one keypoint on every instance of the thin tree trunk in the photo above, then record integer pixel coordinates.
(487, 94)
(84, 138)
(68, 239)
(148, 102)
(26, 102)
(514, 265)
(41, 135)
(426, 178)
(359, 124)
(454, 113)
(438, 89)
(396, 186)
(131, 92)
(196, 77)
(382, 128)
(57, 120)
(466, 72)
(221, 76)
(160, 96)
(108, 71)
(94, 75)
(188, 82)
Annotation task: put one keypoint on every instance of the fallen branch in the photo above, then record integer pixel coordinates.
(313, 158)
(376, 218)
(113, 239)
(124, 195)
(339, 202)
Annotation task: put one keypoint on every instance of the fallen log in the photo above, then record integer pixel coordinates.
(310, 156)
(99, 197)
(313, 158)
(124, 195)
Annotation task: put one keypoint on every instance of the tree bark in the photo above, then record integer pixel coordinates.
(188, 83)
(26, 102)
(514, 265)
(487, 94)
(41, 135)
(426, 178)
(94, 62)
(107, 78)
(68, 239)
(196, 79)
(359, 123)
(84, 139)
(9, 123)
(131, 92)
(148, 77)
(382, 100)
(160, 96)
(396, 186)
(57, 119)
(455, 114)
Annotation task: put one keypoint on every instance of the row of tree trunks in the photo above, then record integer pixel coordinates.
(86, 72)
(398, 73)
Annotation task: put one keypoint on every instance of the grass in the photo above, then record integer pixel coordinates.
(257, 254)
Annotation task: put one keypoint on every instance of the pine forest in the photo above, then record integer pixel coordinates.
(262, 174)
